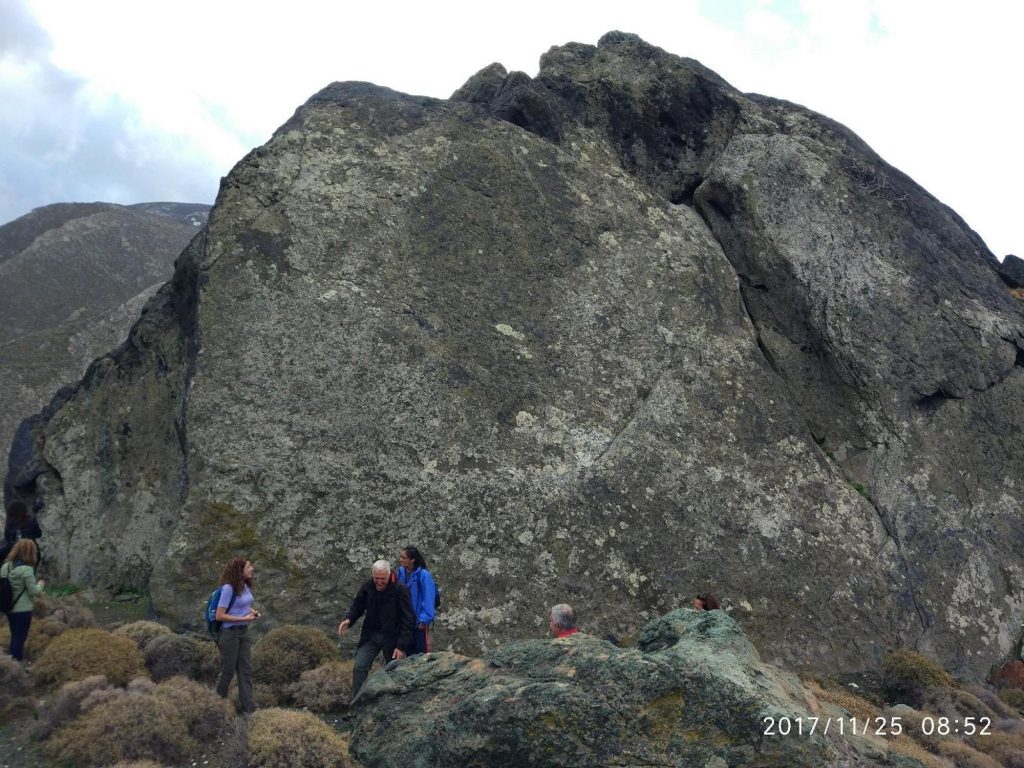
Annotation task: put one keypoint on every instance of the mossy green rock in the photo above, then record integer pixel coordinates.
(692, 692)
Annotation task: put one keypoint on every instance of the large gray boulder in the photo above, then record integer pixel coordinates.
(614, 334)
(692, 692)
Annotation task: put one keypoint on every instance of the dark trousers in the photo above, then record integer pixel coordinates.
(236, 657)
(420, 641)
(19, 623)
(376, 643)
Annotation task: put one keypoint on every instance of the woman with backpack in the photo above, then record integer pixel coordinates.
(235, 613)
(413, 573)
(19, 569)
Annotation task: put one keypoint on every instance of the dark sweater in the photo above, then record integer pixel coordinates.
(388, 611)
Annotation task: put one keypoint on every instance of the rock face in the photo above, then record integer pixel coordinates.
(692, 692)
(611, 335)
(75, 277)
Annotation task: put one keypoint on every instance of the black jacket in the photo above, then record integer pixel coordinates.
(388, 611)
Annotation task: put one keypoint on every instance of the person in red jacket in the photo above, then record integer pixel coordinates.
(562, 620)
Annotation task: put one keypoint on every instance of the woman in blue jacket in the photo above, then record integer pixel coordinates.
(413, 573)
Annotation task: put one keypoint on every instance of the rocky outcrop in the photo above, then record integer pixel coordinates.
(613, 334)
(692, 692)
(75, 277)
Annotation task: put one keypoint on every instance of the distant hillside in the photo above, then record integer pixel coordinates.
(75, 277)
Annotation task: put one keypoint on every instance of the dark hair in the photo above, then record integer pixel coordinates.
(234, 574)
(415, 556)
(709, 601)
(17, 513)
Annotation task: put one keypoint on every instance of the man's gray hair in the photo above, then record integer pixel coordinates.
(563, 616)
(381, 565)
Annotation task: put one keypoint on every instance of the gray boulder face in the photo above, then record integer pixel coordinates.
(692, 692)
(75, 277)
(612, 335)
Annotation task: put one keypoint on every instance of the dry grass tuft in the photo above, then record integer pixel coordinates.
(40, 634)
(281, 738)
(904, 745)
(80, 653)
(856, 705)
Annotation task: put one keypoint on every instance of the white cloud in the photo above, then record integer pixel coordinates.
(167, 90)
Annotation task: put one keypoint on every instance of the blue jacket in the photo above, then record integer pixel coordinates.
(423, 592)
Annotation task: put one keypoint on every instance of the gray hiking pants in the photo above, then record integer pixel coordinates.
(235, 657)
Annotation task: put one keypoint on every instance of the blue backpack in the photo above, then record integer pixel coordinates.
(210, 614)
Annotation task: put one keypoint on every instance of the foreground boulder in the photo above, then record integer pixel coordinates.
(692, 692)
(613, 334)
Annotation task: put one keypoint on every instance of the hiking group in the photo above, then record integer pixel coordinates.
(397, 607)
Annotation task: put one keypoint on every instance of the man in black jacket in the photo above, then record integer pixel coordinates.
(388, 625)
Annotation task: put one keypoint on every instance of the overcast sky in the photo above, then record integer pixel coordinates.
(144, 100)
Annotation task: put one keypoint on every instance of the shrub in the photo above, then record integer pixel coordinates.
(965, 757)
(15, 684)
(14, 679)
(168, 655)
(1014, 697)
(72, 615)
(136, 764)
(327, 688)
(906, 675)
(993, 700)
(283, 654)
(167, 723)
(856, 705)
(142, 632)
(206, 714)
(904, 745)
(66, 704)
(128, 728)
(40, 634)
(280, 738)
(1003, 747)
(80, 653)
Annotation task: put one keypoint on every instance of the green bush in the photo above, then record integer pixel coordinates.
(281, 738)
(906, 675)
(328, 688)
(80, 653)
(171, 723)
(283, 654)
(142, 632)
(170, 655)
